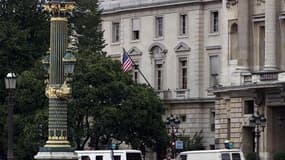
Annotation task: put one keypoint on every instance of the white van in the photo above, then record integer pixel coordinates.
(222, 154)
(107, 155)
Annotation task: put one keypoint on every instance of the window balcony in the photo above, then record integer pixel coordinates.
(182, 93)
(173, 94)
(164, 94)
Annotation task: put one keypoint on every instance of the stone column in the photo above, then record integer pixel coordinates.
(243, 33)
(270, 35)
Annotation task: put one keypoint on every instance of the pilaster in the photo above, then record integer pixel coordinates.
(243, 33)
(270, 35)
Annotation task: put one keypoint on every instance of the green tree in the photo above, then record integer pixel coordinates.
(106, 103)
(23, 39)
(87, 22)
(30, 113)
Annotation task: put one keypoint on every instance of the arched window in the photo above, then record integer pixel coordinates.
(158, 53)
(234, 41)
(135, 53)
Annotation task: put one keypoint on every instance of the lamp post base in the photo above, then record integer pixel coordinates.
(56, 153)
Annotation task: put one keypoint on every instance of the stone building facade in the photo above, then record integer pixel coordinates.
(252, 76)
(173, 42)
(214, 63)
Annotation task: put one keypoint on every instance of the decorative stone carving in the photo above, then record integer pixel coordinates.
(259, 2)
(135, 51)
(230, 3)
(161, 46)
(59, 8)
(182, 47)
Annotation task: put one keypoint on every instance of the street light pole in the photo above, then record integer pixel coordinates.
(10, 84)
(258, 122)
(60, 64)
(172, 125)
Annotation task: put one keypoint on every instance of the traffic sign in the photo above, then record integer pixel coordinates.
(179, 144)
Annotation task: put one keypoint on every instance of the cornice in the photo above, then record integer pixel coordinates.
(141, 6)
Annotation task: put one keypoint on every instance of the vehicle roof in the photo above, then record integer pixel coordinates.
(107, 151)
(211, 151)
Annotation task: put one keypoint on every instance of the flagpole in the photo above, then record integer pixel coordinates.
(136, 67)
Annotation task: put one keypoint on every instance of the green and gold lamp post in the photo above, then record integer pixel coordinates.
(60, 63)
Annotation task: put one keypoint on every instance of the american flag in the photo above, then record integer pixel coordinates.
(127, 63)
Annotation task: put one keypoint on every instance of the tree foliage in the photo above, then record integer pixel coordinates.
(106, 102)
(87, 21)
(23, 40)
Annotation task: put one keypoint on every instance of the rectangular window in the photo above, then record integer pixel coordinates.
(158, 76)
(214, 22)
(261, 44)
(115, 32)
(212, 119)
(135, 29)
(248, 107)
(136, 73)
(158, 27)
(214, 70)
(183, 24)
(228, 128)
(183, 73)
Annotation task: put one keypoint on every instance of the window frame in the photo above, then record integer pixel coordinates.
(116, 28)
(181, 26)
(214, 22)
(158, 69)
(133, 31)
(246, 106)
(212, 120)
(181, 67)
(214, 76)
(159, 30)
(135, 73)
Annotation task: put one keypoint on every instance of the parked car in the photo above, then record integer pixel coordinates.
(109, 155)
(222, 154)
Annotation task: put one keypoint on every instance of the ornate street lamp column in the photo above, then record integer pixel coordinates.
(172, 125)
(61, 65)
(258, 122)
